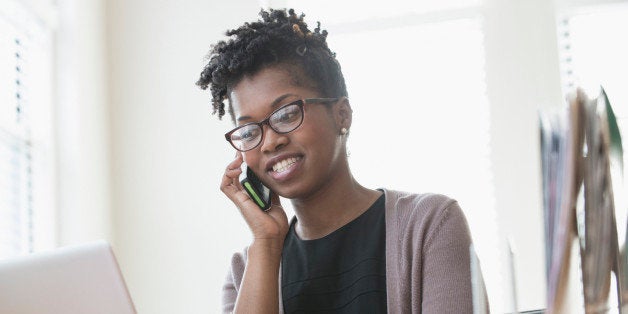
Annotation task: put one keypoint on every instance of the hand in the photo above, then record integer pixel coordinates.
(269, 228)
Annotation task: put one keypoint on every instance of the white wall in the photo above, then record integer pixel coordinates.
(141, 156)
(174, 231)
(522, 77)
(82, 123)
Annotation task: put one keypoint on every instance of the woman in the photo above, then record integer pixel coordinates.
(349, 248)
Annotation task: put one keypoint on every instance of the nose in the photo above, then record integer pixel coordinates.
(272, 141)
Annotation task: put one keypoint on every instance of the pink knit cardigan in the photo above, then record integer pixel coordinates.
(427, 257)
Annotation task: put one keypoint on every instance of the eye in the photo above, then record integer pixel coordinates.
(288, 114)
(248, 134)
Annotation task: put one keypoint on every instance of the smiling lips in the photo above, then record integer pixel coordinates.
(285, 164)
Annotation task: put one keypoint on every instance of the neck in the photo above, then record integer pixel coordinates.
(332, 206)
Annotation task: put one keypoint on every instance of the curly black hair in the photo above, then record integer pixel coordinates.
(281, 38)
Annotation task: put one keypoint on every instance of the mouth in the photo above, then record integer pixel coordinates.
(284, 165)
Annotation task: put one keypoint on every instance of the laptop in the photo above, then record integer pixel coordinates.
(77, 279)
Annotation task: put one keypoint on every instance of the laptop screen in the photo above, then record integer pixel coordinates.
(77, 279)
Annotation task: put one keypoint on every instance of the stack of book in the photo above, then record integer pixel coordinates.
(578, 147)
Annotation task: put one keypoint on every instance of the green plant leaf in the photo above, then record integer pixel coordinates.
(616, 149)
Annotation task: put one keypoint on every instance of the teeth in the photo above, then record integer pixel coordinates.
(283, 165)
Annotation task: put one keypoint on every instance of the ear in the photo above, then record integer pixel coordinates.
(343, 113)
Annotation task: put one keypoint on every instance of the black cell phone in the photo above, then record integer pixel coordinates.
(259, 193)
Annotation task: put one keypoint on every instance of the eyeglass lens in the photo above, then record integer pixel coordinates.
(284, 120)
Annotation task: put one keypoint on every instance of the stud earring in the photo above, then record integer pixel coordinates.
(343, 131)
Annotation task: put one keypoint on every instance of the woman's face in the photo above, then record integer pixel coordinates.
(299, 163)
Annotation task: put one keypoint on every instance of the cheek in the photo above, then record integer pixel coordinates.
(320, 137)
(251, 157)
(320, 127)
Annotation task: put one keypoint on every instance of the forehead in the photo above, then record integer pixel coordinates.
(254, 95)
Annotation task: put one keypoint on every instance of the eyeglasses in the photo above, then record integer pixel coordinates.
(283, 120)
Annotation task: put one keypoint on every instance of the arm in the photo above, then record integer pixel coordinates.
(259, 292)
(446, 264)
(259, 288)
(233, 285)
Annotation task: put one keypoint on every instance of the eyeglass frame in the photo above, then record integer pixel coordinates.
(301, 103)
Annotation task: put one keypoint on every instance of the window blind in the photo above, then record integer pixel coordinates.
(15, 175)
(25, 137)
(593, 53)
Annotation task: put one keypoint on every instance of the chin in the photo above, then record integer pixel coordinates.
(287, 194)
(291, 192)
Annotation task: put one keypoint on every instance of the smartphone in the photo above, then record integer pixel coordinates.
(259, 193)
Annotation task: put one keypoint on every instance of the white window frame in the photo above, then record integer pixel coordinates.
(38, 208)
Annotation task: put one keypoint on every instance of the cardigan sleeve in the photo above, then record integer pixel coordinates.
(446, 264)
(232, 282)
(229, 294)
(428, 267)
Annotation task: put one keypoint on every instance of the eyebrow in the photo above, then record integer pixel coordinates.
(273, 105)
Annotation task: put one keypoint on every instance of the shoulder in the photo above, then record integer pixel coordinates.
(405, 205)
(424, 213)
(416, 201)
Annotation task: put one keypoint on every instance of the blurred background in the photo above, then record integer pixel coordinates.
(103, 134)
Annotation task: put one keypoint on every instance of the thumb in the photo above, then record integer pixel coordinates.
(274, 199)
(276, 210)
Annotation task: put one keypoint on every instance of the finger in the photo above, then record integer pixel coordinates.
(275, 203)
(230, 182)
(248, 208)
(242, 198)
(233, 173)
(227, 183)
(236, 163)
(239, 197)
(274, 198)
